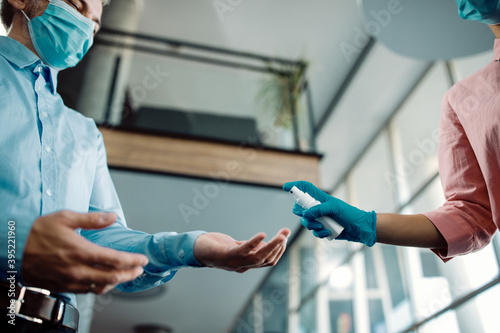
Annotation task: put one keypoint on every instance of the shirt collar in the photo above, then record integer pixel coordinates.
(497, 50)
(19, 55)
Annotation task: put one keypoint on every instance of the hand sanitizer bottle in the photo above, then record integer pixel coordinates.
(305, 201)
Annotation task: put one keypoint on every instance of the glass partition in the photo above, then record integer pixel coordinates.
(144, 83)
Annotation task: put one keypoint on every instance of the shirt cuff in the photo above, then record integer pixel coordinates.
(179, 249)
(455, 230)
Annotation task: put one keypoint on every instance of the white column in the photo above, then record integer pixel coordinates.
(360, 302)
(322, 295)
(294, 290)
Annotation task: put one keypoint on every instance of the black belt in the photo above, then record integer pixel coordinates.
(38, 306)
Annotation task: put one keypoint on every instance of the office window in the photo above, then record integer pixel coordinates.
(308, 264)
(341, 192)
(431, 198)
(275, 298)
(436, 285)
(487, 304)
(369, 187)
(246, 323)
(377, 320)
(308, 317)
(444, 323)
(414, 133)
(341, 316)
(339, 287)
(400, 312)
(464, 273)
(467, 66)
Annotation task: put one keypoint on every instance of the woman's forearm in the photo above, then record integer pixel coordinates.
(408, 230)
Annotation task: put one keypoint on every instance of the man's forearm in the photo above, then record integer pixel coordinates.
(408, 230)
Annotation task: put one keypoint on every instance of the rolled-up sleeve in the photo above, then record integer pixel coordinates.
(465, 220)
(167, 251)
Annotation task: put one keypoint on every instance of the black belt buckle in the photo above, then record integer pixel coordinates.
(57, 314)
(52, 308)
(20, 301)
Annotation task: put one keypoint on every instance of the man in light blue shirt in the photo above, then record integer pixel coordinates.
(54, 177)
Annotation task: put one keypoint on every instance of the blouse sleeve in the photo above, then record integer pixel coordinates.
(465, 220)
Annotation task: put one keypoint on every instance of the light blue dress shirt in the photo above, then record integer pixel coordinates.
(52, 159)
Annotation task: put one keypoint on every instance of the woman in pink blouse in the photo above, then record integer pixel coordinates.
(469, 165)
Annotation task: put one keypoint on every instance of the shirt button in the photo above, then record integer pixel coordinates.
(181, 253)
(38, 69)
(45, 114)
(49, 193)
(47, 149)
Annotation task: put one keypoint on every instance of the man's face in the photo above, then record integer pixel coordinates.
(91, 9)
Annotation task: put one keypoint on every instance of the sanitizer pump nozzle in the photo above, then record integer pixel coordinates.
(305, 201)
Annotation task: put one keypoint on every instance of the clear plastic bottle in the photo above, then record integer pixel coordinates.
(305, 201)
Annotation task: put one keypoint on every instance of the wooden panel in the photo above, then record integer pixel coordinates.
(241, 163)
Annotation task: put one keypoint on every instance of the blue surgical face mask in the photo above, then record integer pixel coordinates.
(485, 11)
(61, 35)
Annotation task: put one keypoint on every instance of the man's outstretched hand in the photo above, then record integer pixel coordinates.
(222, 251)
(58, 259)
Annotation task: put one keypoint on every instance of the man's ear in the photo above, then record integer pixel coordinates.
(19, 4)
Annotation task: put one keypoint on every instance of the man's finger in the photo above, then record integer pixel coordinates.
(262, 254)
(83, 288)
(103, 280)
(267, 255)
(285, 232)
(102, 256)
(271, 256)
(278, 255)
(272, 245)
(250, 245)
(276, 244)
(93, 275)
(89, 220)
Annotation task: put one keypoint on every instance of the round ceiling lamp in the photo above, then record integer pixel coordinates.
(424, 29)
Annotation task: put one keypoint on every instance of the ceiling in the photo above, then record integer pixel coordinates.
(434, 27)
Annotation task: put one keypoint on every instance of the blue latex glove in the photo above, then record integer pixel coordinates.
(485, 11)
(359, 225)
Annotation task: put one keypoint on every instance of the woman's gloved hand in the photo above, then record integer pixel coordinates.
(359, 225)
